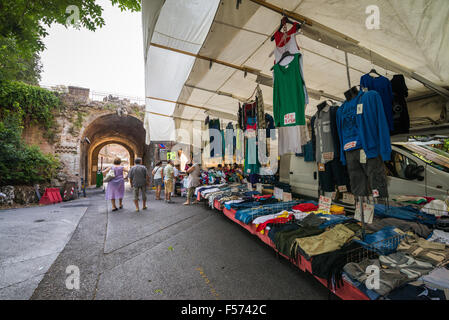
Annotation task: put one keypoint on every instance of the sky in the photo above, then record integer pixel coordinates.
(108, 60)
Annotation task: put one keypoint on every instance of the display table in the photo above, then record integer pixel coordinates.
(346, 292)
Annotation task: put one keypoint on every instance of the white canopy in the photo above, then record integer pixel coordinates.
(186, 35)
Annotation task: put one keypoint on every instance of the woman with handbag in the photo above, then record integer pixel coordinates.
(116, 183)
(158, 175)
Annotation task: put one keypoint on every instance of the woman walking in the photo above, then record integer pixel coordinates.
(158, 175)
(116, 187)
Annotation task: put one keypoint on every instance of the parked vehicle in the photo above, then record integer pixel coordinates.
(411, 171)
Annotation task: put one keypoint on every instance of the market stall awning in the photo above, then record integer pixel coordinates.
(205, 56)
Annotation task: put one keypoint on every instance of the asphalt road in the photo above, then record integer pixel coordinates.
(170, 251)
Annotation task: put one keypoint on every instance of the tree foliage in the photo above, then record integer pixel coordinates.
(24, 23)
(36, 105)
(19, 163)
(18, 64)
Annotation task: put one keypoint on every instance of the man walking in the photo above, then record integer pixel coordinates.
(168, 180)
(139, 179)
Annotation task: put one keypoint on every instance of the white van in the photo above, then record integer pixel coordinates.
(411, 171)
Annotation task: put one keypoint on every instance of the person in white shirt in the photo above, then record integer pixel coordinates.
(158, 175)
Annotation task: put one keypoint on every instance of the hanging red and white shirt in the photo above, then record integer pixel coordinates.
(287, 42)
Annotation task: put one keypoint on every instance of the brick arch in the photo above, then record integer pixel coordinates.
(93, 155)
(110, 128)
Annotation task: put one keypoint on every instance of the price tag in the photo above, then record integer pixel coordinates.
(259, 187)
(287, 196)
(325, 204)
(250, 186)
(321, 167)
(334, 196)
(362, 156)
(290, 118)
(342, 189)
(375, 193)
(348, 198)
(360, 108)
(278, 193)
(368, 213)
(328, 156)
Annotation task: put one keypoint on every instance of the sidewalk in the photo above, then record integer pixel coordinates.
(30, 241)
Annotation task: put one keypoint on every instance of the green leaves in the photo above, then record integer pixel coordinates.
(19, 163)
(24, 23)
(36, 104)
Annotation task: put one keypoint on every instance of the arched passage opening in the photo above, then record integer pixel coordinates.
(109, 152)
(125, 130)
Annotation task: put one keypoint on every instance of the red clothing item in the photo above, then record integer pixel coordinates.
(262, 226)
(279, 35)
(305, 207)
(429, 199)
(268, 196)
(251, 127)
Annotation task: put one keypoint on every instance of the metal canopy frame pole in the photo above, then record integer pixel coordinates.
(337, 40)
(227, 115)
(347, 70)
(261, 78)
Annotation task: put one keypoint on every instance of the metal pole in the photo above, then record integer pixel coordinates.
(362, 217)
(347, 70)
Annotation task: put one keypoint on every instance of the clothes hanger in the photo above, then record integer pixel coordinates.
(351, 93)
(374, 71)
(321, 106)
(284, 55)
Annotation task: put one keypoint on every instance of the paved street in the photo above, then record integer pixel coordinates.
(167, 252)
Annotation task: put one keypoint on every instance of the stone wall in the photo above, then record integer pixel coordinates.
(23, 195)
(76, 114)
(78, 111)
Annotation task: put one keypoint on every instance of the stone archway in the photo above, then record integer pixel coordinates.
(125, 130)
(93, 155)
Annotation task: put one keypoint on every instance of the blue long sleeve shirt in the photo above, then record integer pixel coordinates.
(383, 86)
(365, 128)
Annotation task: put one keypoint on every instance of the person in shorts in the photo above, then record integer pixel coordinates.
(157, 175)
(139, 179)
(168, 180)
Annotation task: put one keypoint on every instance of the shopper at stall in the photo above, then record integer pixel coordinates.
(157, 176)
(168, 180)
(193, 181)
